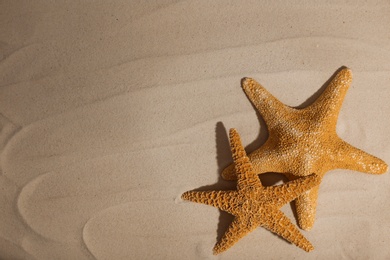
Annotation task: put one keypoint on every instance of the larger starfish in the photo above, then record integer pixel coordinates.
(252, 204)
(304, 141)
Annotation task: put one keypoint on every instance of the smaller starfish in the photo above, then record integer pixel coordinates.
(254, 205)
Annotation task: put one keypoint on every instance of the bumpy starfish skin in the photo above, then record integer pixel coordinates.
(254, 205)
(304, 141)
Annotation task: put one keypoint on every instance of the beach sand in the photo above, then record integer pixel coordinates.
(110, 110)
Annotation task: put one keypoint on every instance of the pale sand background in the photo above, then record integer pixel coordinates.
(110, 110)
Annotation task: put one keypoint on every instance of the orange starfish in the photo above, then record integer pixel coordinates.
(254, 205)
(303, 141)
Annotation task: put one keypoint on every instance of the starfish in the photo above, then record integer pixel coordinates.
(303, 141)
(254, 205)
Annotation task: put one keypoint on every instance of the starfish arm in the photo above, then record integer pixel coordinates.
(352, 158)
(306, 205)
(224, 200)
(262, 161)
(246, 176)
(237, 229)
(270, 108)
(287, 192)
(281, 225)
(328, 105)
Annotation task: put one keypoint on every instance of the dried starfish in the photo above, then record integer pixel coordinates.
(254, 205)
(303, 141)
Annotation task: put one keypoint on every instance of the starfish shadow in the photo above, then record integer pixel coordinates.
(224, 158)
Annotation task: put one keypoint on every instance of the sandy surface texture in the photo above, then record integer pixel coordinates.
(110, 110)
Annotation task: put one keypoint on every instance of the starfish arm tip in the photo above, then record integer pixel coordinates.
(383, 167)
(249, 84)
(345, 70)
(229, 173)
(216, 250)
(309, 248)
(378, 167)
(346, 75)
(306, 205)
(185, 195)
(233, 133)
(237, 149)
(246, 80)
(307, 226)
(353, 158)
